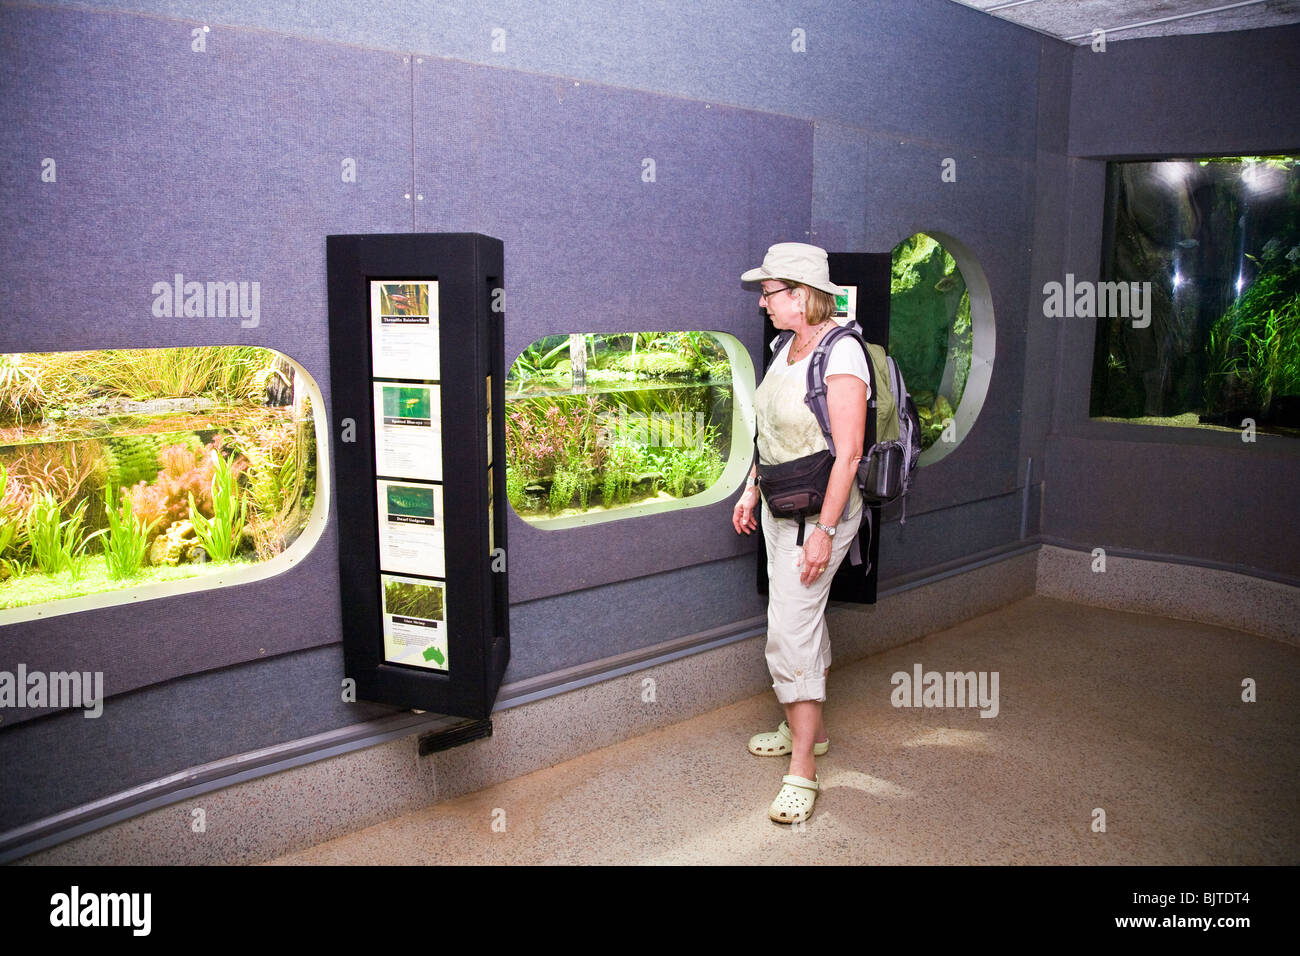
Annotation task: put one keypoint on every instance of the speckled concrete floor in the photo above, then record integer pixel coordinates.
(1139, 717)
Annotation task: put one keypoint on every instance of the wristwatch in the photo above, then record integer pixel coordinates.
(830, 532)
(751, 482)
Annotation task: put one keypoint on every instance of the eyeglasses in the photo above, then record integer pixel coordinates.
(763, 297)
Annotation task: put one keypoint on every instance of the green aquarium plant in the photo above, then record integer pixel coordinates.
(1254, 348)
(126, 539)
(57, 545)
(12, 520)
(223, 532)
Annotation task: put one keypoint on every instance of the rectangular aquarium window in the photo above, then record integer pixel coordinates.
(607, 425)
(134, 473)
(1208, 254)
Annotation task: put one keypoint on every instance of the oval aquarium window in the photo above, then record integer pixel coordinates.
(602, 426)
(128, 474)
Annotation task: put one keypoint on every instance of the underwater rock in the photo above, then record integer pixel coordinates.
(175, 545)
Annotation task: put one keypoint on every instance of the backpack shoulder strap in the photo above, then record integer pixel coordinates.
(815, 393)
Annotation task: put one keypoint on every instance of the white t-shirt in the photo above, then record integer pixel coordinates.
(846, 358)
(787, 428)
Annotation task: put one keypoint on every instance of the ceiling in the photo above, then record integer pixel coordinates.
(1074, 20)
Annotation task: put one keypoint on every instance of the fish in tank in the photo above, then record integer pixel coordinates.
(128, 467)
(1218, 239)
(599, 422)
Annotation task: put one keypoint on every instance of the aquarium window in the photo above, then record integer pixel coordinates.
(129, 474)
(1208, 251)
(941, 336)
(602, 426)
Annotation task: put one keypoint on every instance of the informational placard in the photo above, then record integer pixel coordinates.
(411, 519)
(846, 305)
(404, 330)
(415, 622)
(407, 392)
(423, 588)
(408, 430)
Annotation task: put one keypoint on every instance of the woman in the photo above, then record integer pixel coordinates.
(797, 293)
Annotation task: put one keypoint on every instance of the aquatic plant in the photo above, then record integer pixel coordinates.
(21, 392)
(185, 480)
(276, 477)
(14, 503)
(57, 545)
(222, 534)
(68, 470)
(125, 540)
(516, 483)
(1254, 348)
(226, 373)
(623, 464)
(563, 484)
(698, 464)
(413, 600)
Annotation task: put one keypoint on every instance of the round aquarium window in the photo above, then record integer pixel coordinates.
(129, 474)
(602, 426)
(941, 335)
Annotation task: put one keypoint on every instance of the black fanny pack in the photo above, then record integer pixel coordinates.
(796, 489)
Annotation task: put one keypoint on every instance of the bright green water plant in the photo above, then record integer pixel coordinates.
(222, 533)
(1254, 348)
(57, 545)
(126, 539)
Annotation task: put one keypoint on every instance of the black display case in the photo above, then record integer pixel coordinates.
(417, 372)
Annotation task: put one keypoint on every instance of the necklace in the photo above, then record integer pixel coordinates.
(796, 348)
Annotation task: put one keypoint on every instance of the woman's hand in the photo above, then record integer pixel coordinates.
(742, 516)
(816, 554)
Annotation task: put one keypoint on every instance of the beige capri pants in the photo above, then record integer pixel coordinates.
(798, 643)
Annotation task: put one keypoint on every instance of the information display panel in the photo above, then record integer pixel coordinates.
(423, 578)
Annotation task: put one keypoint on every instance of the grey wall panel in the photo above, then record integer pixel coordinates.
(1055, 71)
(932, 64)
(592, 246)
(937, 537)
(989, 210)
(1235, 505)
(1188, 95)
(220, 165)
(840, 157)
(64, 760)
(1202, 495)
(555, 633)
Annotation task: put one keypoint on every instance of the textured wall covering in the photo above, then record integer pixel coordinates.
(226, 164)
(220, 165)
(1206, 497)
(1194, 95)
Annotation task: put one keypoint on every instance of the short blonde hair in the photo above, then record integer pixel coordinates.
(820, 304)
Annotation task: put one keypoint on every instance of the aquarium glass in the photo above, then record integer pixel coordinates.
(1210, 252)
(124, 470)
(600, 426)
(930, 331)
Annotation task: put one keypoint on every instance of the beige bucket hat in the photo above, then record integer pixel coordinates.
(796, 262)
